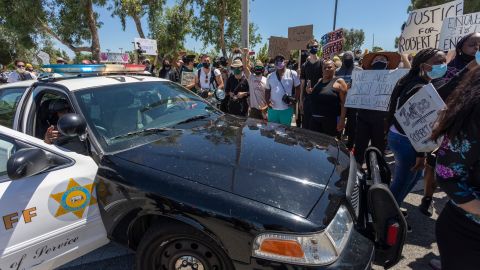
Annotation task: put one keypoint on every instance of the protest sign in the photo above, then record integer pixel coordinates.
(114, 57)
(332, 43)
(299, 36)
(149, 45)
(187, 78)
(418, 116)
(44, 57)
(278, 45)
(422, 29)
(371, 89)
(455, 28)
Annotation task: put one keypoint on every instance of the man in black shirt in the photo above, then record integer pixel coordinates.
(310, 73)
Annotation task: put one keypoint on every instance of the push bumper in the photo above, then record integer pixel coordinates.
(358, 254)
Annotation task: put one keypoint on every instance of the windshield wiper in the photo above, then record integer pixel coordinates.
(146, 131)
(193, 118)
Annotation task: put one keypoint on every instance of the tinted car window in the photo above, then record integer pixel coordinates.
(9, 99)
(119, 114)
(7, 149)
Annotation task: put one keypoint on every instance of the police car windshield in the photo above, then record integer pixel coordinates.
(119, 114)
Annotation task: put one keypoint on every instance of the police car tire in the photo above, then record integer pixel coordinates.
(169, 242)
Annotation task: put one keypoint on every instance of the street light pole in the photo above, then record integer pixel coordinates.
(335, 15)
(245, 24)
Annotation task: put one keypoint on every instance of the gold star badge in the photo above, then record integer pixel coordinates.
(75, 199)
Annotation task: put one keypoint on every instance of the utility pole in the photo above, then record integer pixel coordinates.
(245, 24)
(335, 16)
(373, 42)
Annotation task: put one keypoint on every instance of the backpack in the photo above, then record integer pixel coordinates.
(212, 82)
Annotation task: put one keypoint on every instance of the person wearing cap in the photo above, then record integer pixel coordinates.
(29, 69)
(345, 72)
(310, 74)
(282, 92)
(61, 61)
(237, 90)
(257, 84)
(371, 123)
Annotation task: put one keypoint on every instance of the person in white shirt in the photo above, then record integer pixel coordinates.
(208, 79)
(257, 84)
(20, 74)
(282, 91)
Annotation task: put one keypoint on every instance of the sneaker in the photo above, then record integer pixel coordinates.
(426, 206)
(435, 264)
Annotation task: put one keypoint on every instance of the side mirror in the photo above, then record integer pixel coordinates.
(71, 125)
(220, 94)
(27, 162)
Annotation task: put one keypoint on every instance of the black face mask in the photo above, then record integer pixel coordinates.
(348, 63)
(206, 65)
(379, 66)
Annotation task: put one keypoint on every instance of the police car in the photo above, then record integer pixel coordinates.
(146, 163)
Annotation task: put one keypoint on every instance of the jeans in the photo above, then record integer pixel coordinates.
(404, 178)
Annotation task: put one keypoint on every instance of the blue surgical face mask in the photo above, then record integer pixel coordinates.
(477, 57)
(438, 71)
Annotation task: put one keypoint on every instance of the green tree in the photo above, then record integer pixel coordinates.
(49, 48)
(354, 39)
(220, 25)
(136, 9)
(262, 54)
(377, 49)
(170, 27)
(470, 6)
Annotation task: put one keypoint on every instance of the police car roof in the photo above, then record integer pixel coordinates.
(18, 84)
(74, 84)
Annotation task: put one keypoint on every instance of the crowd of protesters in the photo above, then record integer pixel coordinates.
(315, 91)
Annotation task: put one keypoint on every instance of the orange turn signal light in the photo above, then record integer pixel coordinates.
(288, 248)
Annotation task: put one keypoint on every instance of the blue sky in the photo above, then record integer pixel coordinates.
(382, 18)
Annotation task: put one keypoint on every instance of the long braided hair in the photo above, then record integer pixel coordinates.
(462, 107)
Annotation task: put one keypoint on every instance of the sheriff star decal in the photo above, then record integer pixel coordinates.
(75, 199)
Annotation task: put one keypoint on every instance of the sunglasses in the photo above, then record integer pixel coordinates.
(20, 66)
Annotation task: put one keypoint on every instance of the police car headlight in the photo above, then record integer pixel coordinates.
(314, 249)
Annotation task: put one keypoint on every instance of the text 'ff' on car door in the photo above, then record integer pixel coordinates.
(51, 217)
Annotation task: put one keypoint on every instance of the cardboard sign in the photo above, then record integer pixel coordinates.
(114, 57)
(418, 116)
(278, 45)
(44, 57)
(371, 89)
(299, 36)
(455, 28)
(422, 29)
(149, 45)
(332, 43)
(187, 78)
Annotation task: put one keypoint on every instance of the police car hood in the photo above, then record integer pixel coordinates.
(287, 168)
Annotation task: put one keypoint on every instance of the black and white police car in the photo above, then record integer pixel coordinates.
(146, 163)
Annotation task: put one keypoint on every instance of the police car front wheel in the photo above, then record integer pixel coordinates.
(179, 248)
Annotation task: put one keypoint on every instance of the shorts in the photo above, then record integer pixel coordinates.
(283, 117)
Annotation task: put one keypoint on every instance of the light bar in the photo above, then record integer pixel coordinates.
(97, 68)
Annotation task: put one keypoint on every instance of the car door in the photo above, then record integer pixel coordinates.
(51, 217)
(9, 98)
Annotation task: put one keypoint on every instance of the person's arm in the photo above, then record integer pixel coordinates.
(342, 88)
(268, 92)
(197, 82)
(456, 160)
(243, 90)
(296, 84)
(218, 79)
(302, 86)
(406, 63)
(246, 63)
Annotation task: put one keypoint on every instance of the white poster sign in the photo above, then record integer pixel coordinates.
(299, 36)
(371, 89)
(422, 29)
(455, 28)
(114, 57)
(149, 45)
(44, 57)
(418, 116)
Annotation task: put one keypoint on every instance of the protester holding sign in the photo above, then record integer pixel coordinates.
(282, 92)
(428, 64)
(458, 174)
(465, 50)
(328, 102)
(187, 75)
(310, 73)
(371, 123)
